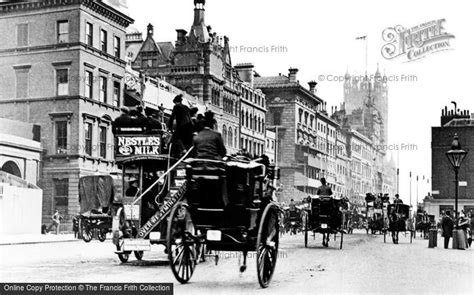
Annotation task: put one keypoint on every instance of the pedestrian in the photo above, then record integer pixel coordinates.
(463, 225)
(56, 218)
(447, 225)
(183, 133)
(75, 225)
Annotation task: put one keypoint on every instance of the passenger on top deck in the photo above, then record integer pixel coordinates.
(208, 144)
(183, 134)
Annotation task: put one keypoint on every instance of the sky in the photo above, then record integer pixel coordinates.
(319, 38)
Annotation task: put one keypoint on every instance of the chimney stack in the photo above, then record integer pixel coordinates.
(246, 72)
(181, 37)
(292, 74)
(312, 86)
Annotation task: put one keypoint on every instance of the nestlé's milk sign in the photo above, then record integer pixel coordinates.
(138, 145)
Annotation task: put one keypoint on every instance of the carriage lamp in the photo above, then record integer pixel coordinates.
(456, 156)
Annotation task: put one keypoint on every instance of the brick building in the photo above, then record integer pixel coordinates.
(62, 66)
(443, 190)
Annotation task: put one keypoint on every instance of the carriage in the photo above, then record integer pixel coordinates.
(152, 183)
(96, 199)
(424, 223)
(376, 210)
(325, 217)
(228, 207)
(293, 220)
(399, 219)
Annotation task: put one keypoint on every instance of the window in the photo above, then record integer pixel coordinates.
(22, 35)
(88, 138)
(63, 31)
(117, 47)
(230, 140)
(61, 137)
(116, 94)
(103, 142)
(61, 193)
(62, 82)
(277, 118)
(22, 77)
(224, 134)
(89, 82)
(89, 34)
(103, 89)
(103, 41)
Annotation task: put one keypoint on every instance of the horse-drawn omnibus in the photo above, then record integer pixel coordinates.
(152, 182)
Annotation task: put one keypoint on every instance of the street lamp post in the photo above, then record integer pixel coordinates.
(456, 156)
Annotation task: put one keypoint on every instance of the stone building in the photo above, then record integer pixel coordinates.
(252, 112)
(66, 62)
(291, 111)
(443, 189)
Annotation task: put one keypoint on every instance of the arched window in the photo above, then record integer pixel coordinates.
(224, 134)
(11, 168)
(230, 136)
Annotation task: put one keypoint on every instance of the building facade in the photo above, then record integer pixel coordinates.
(453, 122)
(291, 113)
(252, 112)
(66, 60)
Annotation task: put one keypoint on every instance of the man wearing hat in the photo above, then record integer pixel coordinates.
(397, 200)
(123, 120)
(183, 134)
(208, 144)
(133, 187)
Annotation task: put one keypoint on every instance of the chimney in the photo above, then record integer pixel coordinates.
(312, 86)
(181, 37)
(245, 72)
(292, 74)
(150, 30)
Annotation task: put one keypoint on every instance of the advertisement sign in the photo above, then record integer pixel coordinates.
(138, 146)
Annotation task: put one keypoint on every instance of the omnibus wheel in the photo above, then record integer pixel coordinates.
(180, 245)
(138, 255)
(267, 245)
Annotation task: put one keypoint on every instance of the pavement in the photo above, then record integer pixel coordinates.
(21, 239)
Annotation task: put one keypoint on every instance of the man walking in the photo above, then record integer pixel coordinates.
(447, 225)
(56, 221)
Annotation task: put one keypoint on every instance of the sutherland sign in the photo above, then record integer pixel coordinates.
(416, 42)
(138, 145)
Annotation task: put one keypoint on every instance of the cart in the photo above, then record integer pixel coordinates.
(228, 207)
(96, 198)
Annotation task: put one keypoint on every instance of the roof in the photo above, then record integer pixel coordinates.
(133, 49)
(282, 82)
(166, 48)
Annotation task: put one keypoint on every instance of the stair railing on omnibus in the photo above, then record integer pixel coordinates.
(163, 176)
